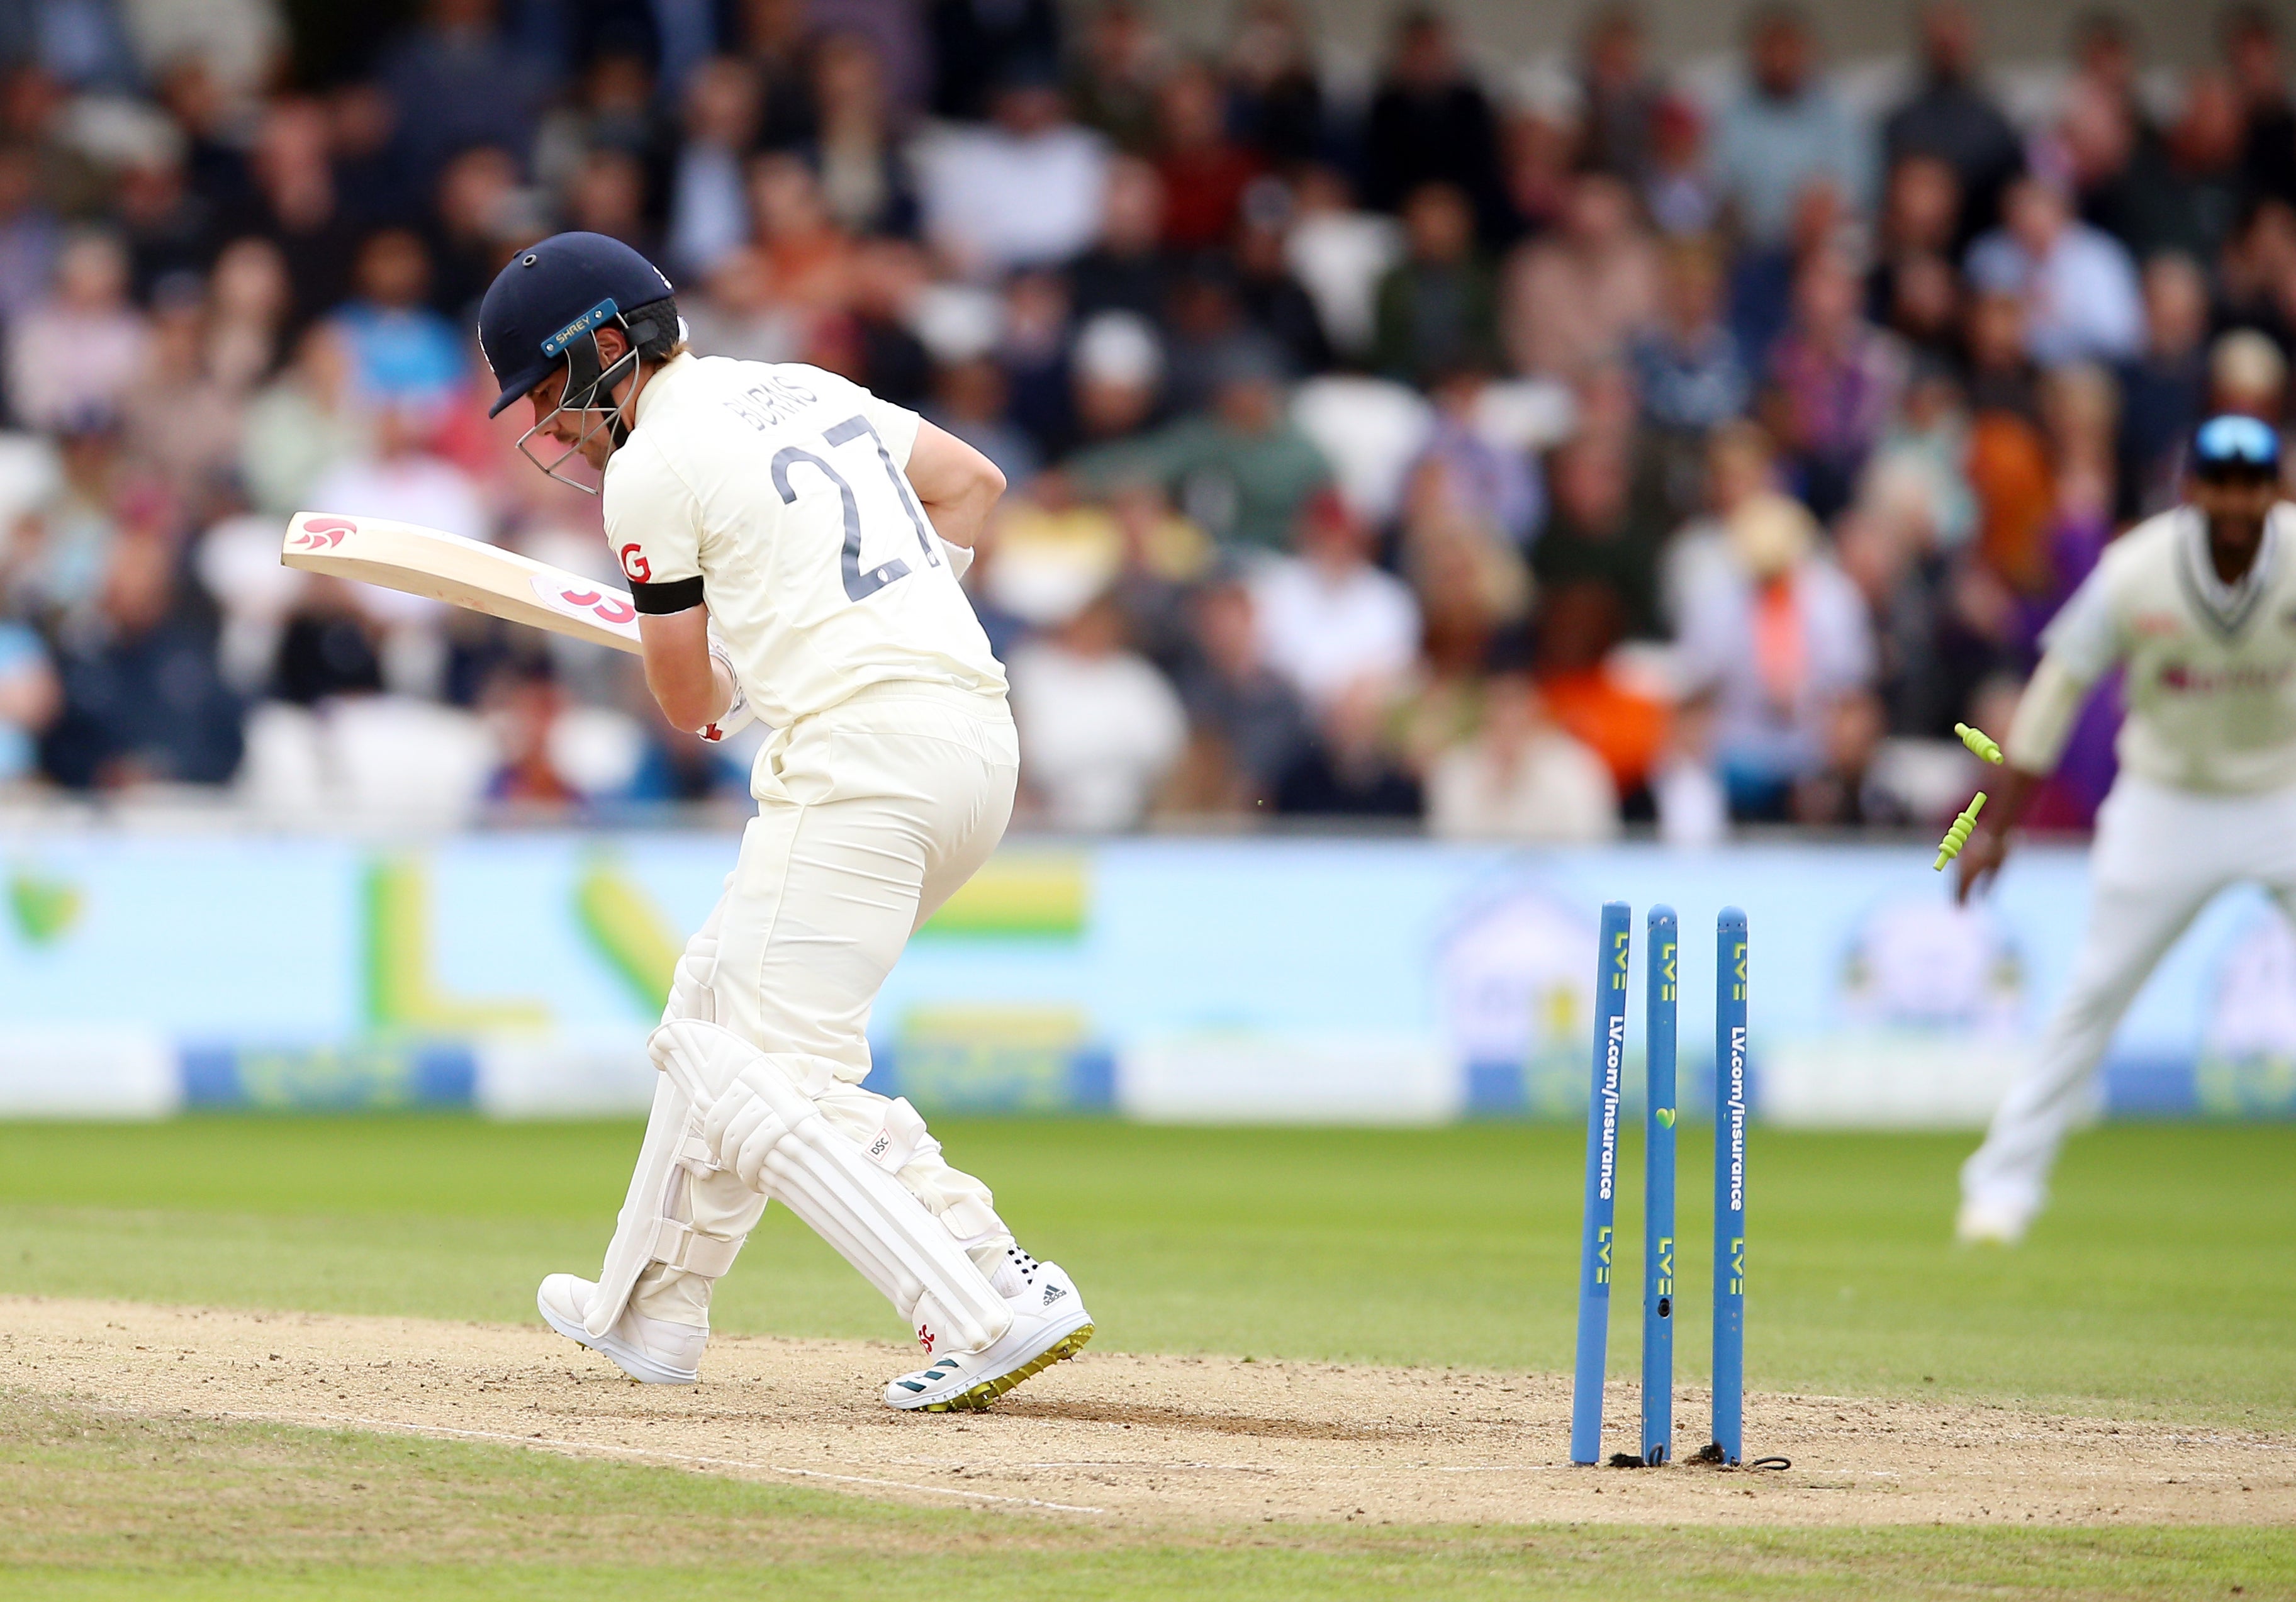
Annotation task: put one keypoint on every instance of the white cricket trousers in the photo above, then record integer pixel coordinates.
(2161, 854)
(869, 815)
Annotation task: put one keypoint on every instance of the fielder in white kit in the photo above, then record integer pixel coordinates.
(2198, 606)
(793, 545)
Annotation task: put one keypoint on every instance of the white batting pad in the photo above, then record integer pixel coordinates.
(759, 1120)
(645, 1208)
(648, 1230)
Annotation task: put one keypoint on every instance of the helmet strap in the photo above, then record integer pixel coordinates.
(590, 386)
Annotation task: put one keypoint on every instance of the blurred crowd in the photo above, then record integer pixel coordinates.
(1525, 448)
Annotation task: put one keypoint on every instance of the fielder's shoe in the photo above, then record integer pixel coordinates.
(1990, 1224)
(1049, 1323)
(652, 1350)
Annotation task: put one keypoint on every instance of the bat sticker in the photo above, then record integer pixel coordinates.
(323, 533)
(608, 606)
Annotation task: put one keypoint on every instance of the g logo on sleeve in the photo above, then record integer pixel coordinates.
(635, 565)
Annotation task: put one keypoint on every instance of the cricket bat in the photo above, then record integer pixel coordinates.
(462, 572)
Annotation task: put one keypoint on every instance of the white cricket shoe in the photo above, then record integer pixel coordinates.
(1990, 1224)
(652, 1350)
(1049, 1323)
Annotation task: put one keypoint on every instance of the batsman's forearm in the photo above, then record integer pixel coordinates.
(689, 719)
(954, 483)
(960, 519)
(690, 683)
(690, 709)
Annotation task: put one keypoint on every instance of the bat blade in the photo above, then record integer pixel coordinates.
(462, 572)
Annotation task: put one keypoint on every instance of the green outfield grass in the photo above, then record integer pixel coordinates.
(98, 1506)
(2153, 1288)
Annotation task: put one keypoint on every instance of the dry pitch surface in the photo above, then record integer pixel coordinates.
(1145, 1439)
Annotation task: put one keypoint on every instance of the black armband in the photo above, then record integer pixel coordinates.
(659, 600)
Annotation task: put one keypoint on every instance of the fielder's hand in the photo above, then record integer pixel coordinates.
(1979, 860)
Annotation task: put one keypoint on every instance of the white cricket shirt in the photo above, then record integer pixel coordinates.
(782, 488)
(2210, 667)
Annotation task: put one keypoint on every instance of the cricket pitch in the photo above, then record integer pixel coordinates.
(1146, 1440)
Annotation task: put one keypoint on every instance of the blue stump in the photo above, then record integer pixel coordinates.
(1730, 1107)
(1662, 965)
(1595, 1251)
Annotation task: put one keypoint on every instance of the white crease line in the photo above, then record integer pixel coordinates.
(643, 1451)
(1494, 1468)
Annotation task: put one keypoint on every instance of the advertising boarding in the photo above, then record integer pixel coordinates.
(1315, 980)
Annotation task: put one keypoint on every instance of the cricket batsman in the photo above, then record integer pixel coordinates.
(793, 545)
(2198, 605)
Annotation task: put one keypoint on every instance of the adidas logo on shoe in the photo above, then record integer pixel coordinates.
(1053, 1292)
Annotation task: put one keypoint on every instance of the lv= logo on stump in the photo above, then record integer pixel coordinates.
(1662, 973)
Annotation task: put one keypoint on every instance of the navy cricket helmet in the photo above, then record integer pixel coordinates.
(547, 305)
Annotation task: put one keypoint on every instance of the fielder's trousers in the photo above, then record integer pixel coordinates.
(2161, 854)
